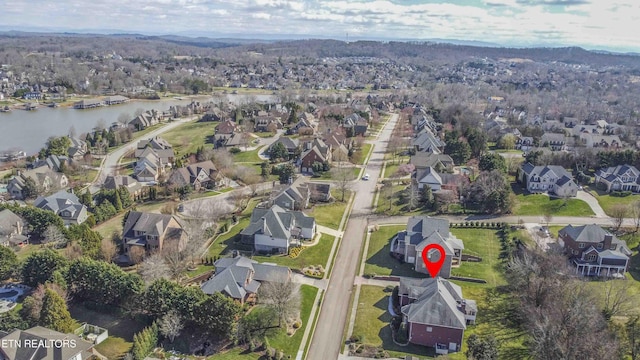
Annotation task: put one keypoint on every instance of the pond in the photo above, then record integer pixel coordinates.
(8, 294)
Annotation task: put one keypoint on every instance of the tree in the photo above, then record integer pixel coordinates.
(8, 263)
(171, 324)
(616, 299)
(458, 149)
(507, 141)
(618, 213)
(257, 324)
(386, 193)
(492, 161)
(101, 282)
(54, 236)
(38, 219)
(30, 189)
(38, 268)
(283, 296)
(482, 349)
(278, 152)
(287, 174)
(343, 178)
(54, 314)
(218, 314)
(413, 196)
(56, 146)
(153, 268)
(136, 254)
(108, 250)
(635, 212)
(632, 328)
(491, 192)
(477, 140)
(426, 197)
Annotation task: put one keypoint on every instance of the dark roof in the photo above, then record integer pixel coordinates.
(149, 223)
(37, 334)
(277, 222)
(425, 226)
(588, 233)
(61, 201)
(436, 303)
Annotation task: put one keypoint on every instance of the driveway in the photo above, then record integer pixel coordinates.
(327, 338)
(593, 203)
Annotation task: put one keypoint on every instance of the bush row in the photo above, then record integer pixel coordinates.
(479, 225)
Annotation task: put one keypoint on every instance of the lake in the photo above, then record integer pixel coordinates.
(29, 130)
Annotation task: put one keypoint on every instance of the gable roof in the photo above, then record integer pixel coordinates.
(9, 221)
(277, 222)
(41, 334)
(59, 202)
(436, 304)
(149, 223)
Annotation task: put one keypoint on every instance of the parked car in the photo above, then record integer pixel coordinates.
(365, 177)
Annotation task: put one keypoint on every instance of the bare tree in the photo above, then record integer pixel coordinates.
(154, 267)
(547, 216)
(635, 212)
(73, 252)
(283, 296)
(171, 325)
(53, 236)
(108, 250)
(136, 254)
(413, 196)
(618, 213)
(124, 118)
(343, 177)
(616, 299)
(175, 260)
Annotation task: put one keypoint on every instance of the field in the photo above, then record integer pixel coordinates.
(188, 137)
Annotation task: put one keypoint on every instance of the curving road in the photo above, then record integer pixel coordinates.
(110, 162)
(327, 338)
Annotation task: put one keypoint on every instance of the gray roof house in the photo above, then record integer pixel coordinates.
(276, 229)
(82, 350)
(595, 251)
(435, 312)
(113, 182)
(12, 229)
(198, 175)
(240, 278)
(152, 231)
(422, 231)
(426, 141)
(423, 160)
(549, 178)
(619, 178)
(44, 178)
(64, 204)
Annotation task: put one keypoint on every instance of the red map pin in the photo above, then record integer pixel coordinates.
(433, 267)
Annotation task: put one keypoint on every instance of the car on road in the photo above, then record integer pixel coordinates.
(365, 177)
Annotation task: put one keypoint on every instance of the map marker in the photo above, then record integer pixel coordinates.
(433, 267)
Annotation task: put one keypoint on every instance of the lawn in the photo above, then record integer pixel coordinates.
(248, 157)
(188, 137)
(483, 243)
(329, 215)
(608, 202)
(327, 175)
(364, 153)
(280, 340)
(114, 348)
(83, 176)
(312, 255)
(538, 204)
(230, 240)
(379, 260)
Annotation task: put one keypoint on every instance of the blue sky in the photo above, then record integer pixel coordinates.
(594, 24)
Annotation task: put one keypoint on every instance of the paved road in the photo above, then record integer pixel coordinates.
(110, 163)
(327, 338)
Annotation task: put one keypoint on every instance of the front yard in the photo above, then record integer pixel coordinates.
(330, 215)
(379, 260)
(539, 204)
(608, 202)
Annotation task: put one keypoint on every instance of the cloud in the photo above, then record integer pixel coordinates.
(553, 2)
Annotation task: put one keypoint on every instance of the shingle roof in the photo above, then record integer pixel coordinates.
(37, 334)
(436, 304)
(277, 222)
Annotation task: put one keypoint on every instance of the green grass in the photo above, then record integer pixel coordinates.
(364, 153)
(483, 243)
(188, 137)
(248, 157)
(379, 260)
(280, 340)
(608, 202)
(263, 134)
(229, 241)
(114, 348)
(83, 176)
(312, 255)
(27, 250)
(538, 204)
(329, 215)
(327, 175)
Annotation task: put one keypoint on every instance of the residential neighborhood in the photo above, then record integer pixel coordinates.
(258, 201)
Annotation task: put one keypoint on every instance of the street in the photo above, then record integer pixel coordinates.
(327, 338)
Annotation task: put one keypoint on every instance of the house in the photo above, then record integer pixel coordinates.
(618, 178)
(159, 146)
(228, 140)
(601, 141)
(12, 229)
(54, 162)
(214, 114)
(426, 141)
(240, 278)
(434, 313)
(555, 142)
(524, 143)
(355, 125)
(292, 145)
(148, 167)
(594, 251)
(144, 120)
(64, 204)
(115, 182)
(78, 148)
(87, 104)
(44, 178)
(153, 232)
(422, 231)
(115, 100)
(549, 178)
(316, 151)
(440, 162)
(276, 229)
(293, 197)
(198, 175)
(226, 127)
(429, 177)
(42, 345)
(267, 124)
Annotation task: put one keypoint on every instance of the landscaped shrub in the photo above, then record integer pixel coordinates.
(620, 193)
(235, 150)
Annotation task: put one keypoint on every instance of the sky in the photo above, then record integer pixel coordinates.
(592, 24)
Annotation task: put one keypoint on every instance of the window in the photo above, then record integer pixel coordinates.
(592, 257)
(600, 246)
(429, 329)
(613, 247)
(581, 245)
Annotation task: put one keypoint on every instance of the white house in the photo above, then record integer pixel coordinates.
(550, 178)
(618, 178)
(276, 229)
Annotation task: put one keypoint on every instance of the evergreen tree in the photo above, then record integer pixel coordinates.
(39, 267)
(54, 314)
(8, 263)
(118, 202)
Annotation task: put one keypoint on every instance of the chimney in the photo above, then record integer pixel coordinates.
(608, 238)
